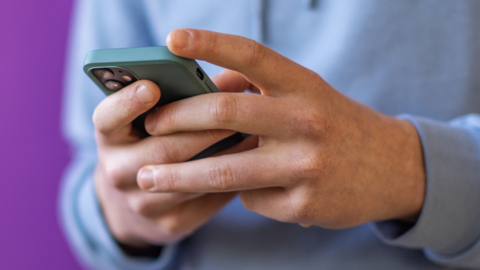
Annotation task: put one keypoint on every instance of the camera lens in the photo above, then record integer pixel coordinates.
(113, 85)
(127, 78)
(103, 73)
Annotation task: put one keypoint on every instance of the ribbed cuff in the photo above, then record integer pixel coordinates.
(450, 219)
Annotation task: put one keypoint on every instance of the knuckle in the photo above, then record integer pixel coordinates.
(328, 214)
(114, 175)
(254, 53)
(125, 105)
(310, 122)
(223, 109)
(307, 165)
(171, 223)
(140, 206)
(302, 209)
(221, 177)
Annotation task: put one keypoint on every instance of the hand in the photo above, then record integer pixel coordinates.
(137, 218)
(322, 158)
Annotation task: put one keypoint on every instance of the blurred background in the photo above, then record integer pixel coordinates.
(33, 153)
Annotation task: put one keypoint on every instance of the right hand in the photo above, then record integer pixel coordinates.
(137, 218)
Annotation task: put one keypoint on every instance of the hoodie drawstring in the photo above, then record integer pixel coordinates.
(310, 3)
(259, 24)
(258, 8)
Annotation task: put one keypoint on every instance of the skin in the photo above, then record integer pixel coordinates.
(322, 158)
(137, 218)
(316, 157)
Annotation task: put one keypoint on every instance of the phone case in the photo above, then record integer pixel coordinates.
(177, 78)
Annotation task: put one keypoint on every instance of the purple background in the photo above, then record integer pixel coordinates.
(33, 153)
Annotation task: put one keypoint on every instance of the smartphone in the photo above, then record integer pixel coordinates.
(177, 77)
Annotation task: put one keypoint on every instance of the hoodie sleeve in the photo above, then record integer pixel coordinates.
(448, 229)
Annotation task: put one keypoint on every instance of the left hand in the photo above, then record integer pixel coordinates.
(322, 158)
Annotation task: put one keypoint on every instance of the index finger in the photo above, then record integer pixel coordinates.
(261, 65)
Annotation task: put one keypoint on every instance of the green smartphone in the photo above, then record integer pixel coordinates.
(177, 77)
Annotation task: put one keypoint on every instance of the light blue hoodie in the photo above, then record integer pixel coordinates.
(417, 59)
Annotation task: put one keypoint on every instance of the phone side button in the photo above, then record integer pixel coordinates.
(211, 86)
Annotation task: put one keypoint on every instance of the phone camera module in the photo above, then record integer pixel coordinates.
(103, 73)
(113, 78)
(113, 85)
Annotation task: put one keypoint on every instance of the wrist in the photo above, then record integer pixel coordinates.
(408, 191)
(415, 165)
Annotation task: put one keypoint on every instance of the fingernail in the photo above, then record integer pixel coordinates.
(151, 123)
(181, 38)
(146, 179)
(144, 95)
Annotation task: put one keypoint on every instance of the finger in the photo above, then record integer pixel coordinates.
(235, 172)
(188, 216)
(120, 109)
(122, 163)
(248, 144)
(154, 204)
(262, 66)
(248, 113)
(274, 203)
(233, 81)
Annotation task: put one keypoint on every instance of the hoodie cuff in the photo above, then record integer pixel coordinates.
(450, 219)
